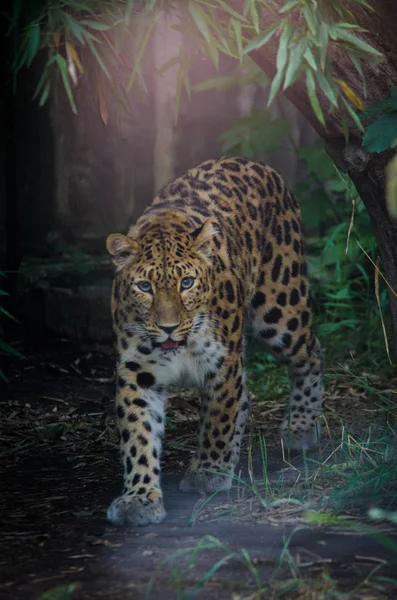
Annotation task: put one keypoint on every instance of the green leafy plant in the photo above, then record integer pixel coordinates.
(60, 592)
(382, 133)
(254, 135)
(69, 32)
(343, 279)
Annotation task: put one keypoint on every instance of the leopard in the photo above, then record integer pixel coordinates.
(219, 247)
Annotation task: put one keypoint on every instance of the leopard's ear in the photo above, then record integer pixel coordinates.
(121, 248)
(202, 237)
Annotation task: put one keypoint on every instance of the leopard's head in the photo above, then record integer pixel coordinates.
(163, 281)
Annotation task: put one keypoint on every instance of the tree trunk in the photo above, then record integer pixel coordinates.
(368, 175)
(167, 44)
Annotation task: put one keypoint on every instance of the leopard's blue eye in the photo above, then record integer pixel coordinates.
(145, 286)
(187, 283)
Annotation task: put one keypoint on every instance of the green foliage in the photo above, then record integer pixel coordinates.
(62, 264)
(76, 38)
(60, 592)
(342, 277)
(254, 135)
(382, 133)
(117, 34)
(246, 73)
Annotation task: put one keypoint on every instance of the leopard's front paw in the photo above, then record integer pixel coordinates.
(204, 482)
(301, 435)
(136, 511)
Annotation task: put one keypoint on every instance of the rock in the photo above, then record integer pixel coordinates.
(81, 313)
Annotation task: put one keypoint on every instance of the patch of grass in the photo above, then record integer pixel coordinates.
(355, 467)
(293, 575)
(60, 592)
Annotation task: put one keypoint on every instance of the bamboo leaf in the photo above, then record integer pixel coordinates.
(71, 67)
(221, 42)
(315, 104)
(353, 115)
(95, 52)
(33, 43)
(341, 34)
(310, 59)
(288, 6)
(261, 39)
(282, 53)
(213, 52)
(74, 56)
(21, 54)
(225, 82)
(323, 45)
(310, 18)
(7, 314)
(128, 10)
(327, 87)
(188, 87)
(365, 5)
(228, 9)
(10, 349)
(198, 16)
(294, 66)
(45, 94)
(17, 7)
(63, 68)
(75, 28)
(354, 99)
(254, 15)
(356, 62)
(43, 77)
(140, 53)
(350, 25)
(97, 25)
(275, 86)
(239, 40)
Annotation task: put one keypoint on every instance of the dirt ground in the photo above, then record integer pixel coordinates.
(59, 470)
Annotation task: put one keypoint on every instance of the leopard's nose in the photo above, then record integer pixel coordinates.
(168, 328)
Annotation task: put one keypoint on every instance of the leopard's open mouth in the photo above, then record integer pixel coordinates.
(169, 344)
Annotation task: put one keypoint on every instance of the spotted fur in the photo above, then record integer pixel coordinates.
(232, 228)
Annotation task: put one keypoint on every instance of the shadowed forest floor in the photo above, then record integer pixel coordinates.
(59, 470)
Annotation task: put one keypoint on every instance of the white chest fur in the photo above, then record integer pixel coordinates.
(190, 363)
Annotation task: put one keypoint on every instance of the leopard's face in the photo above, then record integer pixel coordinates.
(163, 286)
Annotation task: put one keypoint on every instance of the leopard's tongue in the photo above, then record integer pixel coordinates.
(169, 344)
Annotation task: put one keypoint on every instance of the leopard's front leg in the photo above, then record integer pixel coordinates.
(140, 415)
(224, 414)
